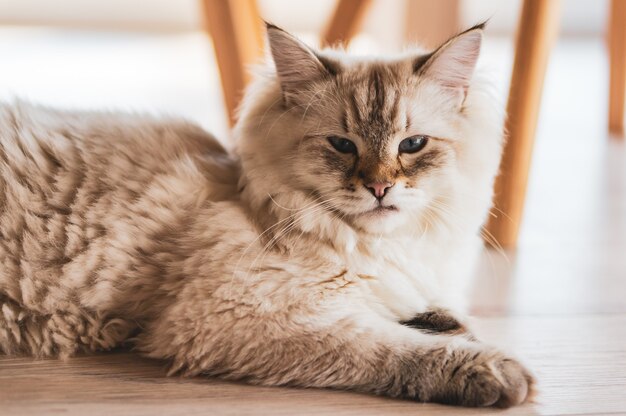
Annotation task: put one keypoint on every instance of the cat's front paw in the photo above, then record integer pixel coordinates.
(485, 378)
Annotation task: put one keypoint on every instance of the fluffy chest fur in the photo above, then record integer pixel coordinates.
(399, 280)
(404, 276)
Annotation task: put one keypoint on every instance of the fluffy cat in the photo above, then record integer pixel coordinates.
(328, 250)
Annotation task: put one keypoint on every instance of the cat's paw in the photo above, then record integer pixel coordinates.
(486, 378)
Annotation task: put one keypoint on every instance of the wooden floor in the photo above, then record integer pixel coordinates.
(558, 302)
(580, 362)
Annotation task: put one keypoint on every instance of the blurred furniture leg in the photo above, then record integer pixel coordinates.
(617, 62)
(345, 22)
(237, 32)
(536, 34)
(429, 23)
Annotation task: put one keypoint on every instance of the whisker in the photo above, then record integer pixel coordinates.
(292, 222)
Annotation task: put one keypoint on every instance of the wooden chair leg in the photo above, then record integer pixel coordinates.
(430, 23)
(536, 34)
(617, 62)
(237, 32)
(345, 22)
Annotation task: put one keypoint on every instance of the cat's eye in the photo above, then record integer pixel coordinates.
(413, 144)
(342, 145)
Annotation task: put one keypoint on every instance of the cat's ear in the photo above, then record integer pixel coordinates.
(452, 64)
(296, 63)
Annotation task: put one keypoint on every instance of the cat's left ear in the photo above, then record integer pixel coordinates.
(452, 64)
(296, 63)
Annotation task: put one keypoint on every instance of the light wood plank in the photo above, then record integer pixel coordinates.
(536, 34)
(345, 21)
(617, 63)
(236, 29)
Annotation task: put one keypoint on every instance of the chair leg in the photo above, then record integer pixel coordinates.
(345, 22)
(430, 23)
(536, 34)
(617, 62)
(236, 29)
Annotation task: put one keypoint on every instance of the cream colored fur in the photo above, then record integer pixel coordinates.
(121, 229)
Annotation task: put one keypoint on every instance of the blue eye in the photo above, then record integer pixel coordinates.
(413, 144)
(342, 145)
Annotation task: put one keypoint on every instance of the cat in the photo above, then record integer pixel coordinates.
(329, 249)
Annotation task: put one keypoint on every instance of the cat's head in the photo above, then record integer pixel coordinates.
(372, 143)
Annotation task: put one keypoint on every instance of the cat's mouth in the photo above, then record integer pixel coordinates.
(378, 211)
(382, 210)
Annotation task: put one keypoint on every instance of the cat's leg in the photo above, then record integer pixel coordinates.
(58, 334)
(358, 351)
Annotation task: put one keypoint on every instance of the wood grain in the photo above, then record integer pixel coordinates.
(580, 363)
(536, 34)
(430, 23)
(617, 64)
(237, 33)
(345, 21)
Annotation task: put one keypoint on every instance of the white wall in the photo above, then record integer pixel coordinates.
(103, 14)
(579, 17)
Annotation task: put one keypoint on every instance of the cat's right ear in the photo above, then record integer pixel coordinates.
(452, 64)
(296, 63)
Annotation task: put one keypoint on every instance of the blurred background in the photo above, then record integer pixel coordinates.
(156, 56)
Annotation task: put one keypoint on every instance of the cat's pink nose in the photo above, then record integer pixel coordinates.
(378, 189)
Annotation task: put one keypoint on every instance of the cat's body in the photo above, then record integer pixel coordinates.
(89, 203)
(250, 265)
